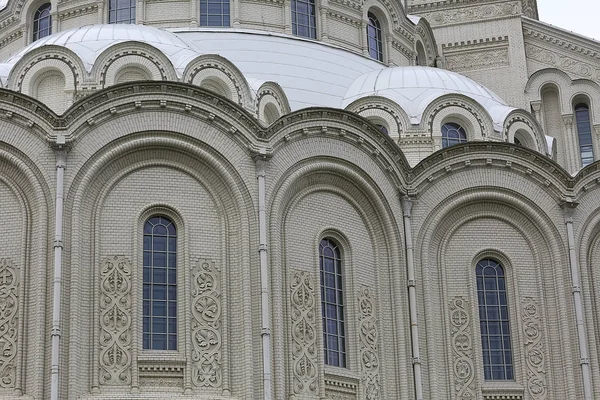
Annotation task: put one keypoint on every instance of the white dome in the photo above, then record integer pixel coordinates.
(414, 88)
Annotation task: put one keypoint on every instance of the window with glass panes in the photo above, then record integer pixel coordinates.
(121, 11)
(453, 134)
(332, 303)
(214, 13)
(494, 321)
(374, 38)
(584, 133)
(303, 18)
(42, 22)
(160, 285)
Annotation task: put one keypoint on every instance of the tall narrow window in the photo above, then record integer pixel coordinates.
(121, 11)
(160, 285)
(584, 132)
(42, 22)
(453, 134)
(214, 13)
(303, 18)
(493, 319)
(374, 38)
(332, 303)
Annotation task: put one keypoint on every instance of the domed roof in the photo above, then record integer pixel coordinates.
(414, 88)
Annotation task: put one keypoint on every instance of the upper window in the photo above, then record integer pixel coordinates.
(453, 134)
(332, 303)
(42, 22)
(214, 13)
(160, 285)
(374, 38)
(303, 18)
(494, 321)
(121, 11)
(584, 132)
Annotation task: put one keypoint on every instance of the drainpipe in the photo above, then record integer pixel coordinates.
(407, 204)
(265, 290)
(584, 360)
(61, 160)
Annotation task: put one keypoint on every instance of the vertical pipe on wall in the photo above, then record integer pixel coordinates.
(584, 360)
(61, 159)
(412, 296)
(265, 291)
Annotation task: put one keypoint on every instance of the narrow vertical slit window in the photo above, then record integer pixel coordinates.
(303, 18)
(494, 321)
(374, 40)
(584, 134)
(332, 303)
(42, 22)
(160, 285)
(215, 13)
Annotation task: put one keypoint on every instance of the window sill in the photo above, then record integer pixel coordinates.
(341, 381)
(502, 390)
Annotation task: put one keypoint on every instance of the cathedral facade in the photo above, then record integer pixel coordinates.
(297, 199)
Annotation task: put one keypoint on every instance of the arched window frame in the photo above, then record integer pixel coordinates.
(121, 11)
(500, 373)
(584, 127)
(170, 283)
(215, 13)
(42, 21)
(374, 37)
(453, 126)
(333, 337)
(304, 18)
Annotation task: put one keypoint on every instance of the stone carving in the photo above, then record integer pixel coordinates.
(339, 396)
(462, 349)
(530, 8)
(207, 369)
(478, 60)
(534, 350)
(476, 13)
(304, 335)
(369, 339)
(9, 320)
(562, 62)
(115, 321)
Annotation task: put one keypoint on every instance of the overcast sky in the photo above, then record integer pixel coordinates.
(581, 16)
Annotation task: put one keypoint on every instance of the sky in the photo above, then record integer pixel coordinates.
(580, 16)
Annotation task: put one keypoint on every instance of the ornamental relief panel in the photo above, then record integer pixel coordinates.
(369, 343)
(477, 13)
(9, 320)
(534, 350)
(462, 349)
(115, 321)
(565, 63)
(304, 333)
(207, 342)
(478, 60)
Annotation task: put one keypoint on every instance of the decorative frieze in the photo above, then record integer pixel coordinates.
(207, 342)
(304, 333)
(476, 13)
(9, 322)
(534, 350)
(462, 349)
(562, 62)
(115, 321)
(369, 339)
(476, 60)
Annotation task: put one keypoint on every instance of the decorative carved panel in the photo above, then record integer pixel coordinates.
(476, 13)
(9, 320)
(562, 62)
(462, 349)
(115, 321)
(369, 339)
(534, 350)
(304, 334)
(476, 60)
(207, 369)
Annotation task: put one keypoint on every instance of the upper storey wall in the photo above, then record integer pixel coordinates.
(341, 23)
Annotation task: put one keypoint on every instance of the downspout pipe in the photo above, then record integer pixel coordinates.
(584, 360)
(407, 204)
(61, 160)
(265, 289)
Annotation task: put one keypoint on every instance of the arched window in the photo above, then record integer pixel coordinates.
(42, 22)
(160, 285)
(494, 321)
(121, 11)
(303, 18)
(374, 38)
(214, 13)
(453, 134)
(382, 129)
(332, 303)
(584, 132)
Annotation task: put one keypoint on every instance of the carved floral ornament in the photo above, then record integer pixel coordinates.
(562, 62)
(534, 350)
(9, 322)
(476, 13)
(369, 339)
(462, 350)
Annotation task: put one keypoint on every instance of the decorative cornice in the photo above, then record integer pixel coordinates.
(451, 16)
(77, 11)
(476, 44)
(11, 37)
(563, 62)
(345, 18)
(571, 42)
